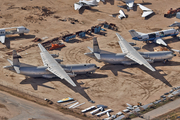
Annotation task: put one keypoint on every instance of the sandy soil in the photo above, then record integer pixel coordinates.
(112, 85)
(15, 108)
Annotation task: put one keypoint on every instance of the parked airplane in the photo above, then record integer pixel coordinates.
(51, 67)
(82, 3)
(122, 14)
(146, 11)
(129, 55)
(129, 3)
(154, 36)
(175, 24)
(13, 30)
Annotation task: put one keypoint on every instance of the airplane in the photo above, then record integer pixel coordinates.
(81, 3)
(129, 56)
(51, 67)
(146, 11)
(154, 36)
(129, 3)
(13, 30)
(122, 14)
(175, 24)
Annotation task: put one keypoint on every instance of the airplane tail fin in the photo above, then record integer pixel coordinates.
(95, 51)
(133, 33)
(95, 45)
(15, 63)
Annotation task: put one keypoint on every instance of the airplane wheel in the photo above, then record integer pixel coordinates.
(164, 61)
(21, 34)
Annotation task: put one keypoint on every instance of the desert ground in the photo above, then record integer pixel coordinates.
(16, 108)
(111, 85)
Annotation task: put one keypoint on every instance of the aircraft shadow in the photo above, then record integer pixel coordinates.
(8, 39)
(171, 40)
(35, 82)
(156, 74)
(115, 14)
(150, 46)
(81, 11)
(115, 68)
(73, 41)
(109, 1)
(20, 37)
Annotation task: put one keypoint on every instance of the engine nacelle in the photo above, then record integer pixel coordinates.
(132, 44)
(55, 55)
(59, 60)
(137, 48)
(149, 60)
(71, 74)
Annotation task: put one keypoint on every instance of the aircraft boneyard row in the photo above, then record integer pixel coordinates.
(53, 67)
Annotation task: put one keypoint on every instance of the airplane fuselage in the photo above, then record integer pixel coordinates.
(40, 71)
(120, 58)
(155, 35)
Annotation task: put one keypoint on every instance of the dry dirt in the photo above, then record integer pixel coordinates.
(112, 85)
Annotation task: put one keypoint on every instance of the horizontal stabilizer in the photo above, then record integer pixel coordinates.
(17, 69)
(77, 6)
(146, 11)
(10, 61)
(175, 50)
(130, 4)
(122, 14)
(160, 41)
(98, 56)
(2, 38)
(90, 49)
(145, 14)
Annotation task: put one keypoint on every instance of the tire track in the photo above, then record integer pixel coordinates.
(147, 92)
(75, 55)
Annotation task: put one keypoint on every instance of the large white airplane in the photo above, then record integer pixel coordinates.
(82, 3)
(154, 36)
(129, 55)
(51, 67)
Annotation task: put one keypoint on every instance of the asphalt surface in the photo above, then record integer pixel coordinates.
(161, 110)
(20, 109)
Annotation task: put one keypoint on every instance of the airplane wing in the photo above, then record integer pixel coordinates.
(132, 54)
(53, 65)
(160, 41)
(146, 11)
